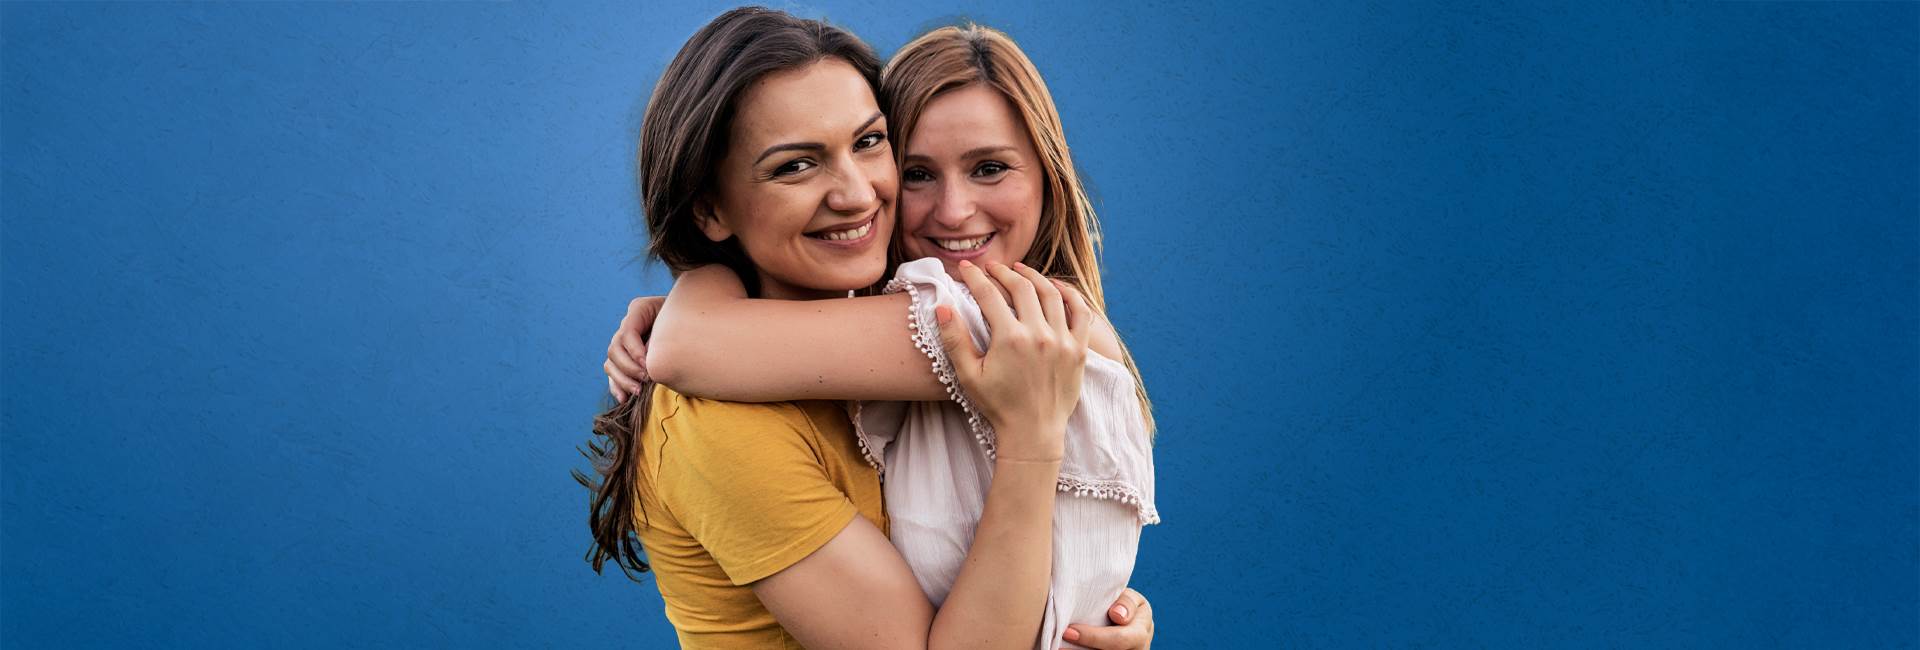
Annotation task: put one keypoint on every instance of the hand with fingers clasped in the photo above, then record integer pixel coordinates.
(1027, 382)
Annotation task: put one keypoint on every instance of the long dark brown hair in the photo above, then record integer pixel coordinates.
(683, 137)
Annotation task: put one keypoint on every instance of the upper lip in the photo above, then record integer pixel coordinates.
(846, 226)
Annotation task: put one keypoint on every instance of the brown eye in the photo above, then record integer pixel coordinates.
(793, 167)
(916, 175)
(869, 141)
(989, 168)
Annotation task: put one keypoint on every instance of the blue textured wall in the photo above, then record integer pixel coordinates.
(1467, 325)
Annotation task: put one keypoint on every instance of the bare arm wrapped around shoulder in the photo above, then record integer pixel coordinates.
(711, 340)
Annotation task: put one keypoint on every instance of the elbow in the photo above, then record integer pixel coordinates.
(678, 367)
(664, 363)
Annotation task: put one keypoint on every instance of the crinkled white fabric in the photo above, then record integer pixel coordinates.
(936, 462)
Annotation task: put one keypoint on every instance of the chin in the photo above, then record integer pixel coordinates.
(862, 280)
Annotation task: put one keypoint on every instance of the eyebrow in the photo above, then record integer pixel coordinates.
(813, 146)
(976, 152)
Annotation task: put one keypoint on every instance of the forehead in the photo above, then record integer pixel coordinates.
(826, 97)
(973, 115)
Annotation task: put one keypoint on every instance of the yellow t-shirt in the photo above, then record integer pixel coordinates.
(732, 493)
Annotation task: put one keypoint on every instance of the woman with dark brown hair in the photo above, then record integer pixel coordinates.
(763, 152)
(986, 178)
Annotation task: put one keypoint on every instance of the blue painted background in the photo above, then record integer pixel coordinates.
(1468, 326)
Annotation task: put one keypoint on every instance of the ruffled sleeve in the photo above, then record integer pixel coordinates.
(1108, 448)
(877, 423)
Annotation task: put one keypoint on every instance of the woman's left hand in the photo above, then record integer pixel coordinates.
(626, 364)
(1132, 626)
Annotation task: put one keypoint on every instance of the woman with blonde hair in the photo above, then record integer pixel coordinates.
(986, 180)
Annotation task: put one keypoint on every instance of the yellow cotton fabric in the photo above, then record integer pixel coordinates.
(733, 493)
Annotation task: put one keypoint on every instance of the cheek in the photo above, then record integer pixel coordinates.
(1015, 206)
(912, 210)
(885, 175)
(914, 207)
(771, 225)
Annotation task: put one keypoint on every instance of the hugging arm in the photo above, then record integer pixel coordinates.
(857, 592)
(707, 338)
(1027, 383)
(712, 341)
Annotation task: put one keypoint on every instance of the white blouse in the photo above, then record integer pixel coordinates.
(936, 463)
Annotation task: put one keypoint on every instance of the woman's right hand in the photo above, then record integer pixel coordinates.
(1132, 627)
(626, 364)
(1028, 381)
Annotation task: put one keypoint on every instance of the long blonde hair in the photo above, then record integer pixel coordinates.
(1067, 244)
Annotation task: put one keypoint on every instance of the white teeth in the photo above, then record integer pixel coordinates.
(962, 244)
(848, 235)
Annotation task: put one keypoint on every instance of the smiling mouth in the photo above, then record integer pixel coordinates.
(963, 245)
(844, 233)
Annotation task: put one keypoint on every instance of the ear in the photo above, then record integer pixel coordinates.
(709, 221)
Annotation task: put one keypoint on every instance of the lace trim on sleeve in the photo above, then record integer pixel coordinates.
(926, 337)
(1113, 491)
(860, 436)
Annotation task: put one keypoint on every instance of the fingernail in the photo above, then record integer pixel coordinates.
(1071, 635)
(1122, 609)
(1020, 265)
(966, 264)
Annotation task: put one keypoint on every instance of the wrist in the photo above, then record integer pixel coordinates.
(1004, 458)
(1024, 446)
(1035, 478)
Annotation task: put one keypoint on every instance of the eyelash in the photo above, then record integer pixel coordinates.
(788, 169)
(917, 174)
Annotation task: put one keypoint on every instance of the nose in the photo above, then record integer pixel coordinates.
(853, 193)
(954, 207)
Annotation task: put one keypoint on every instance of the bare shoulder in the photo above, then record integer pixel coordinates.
(1105, 341)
